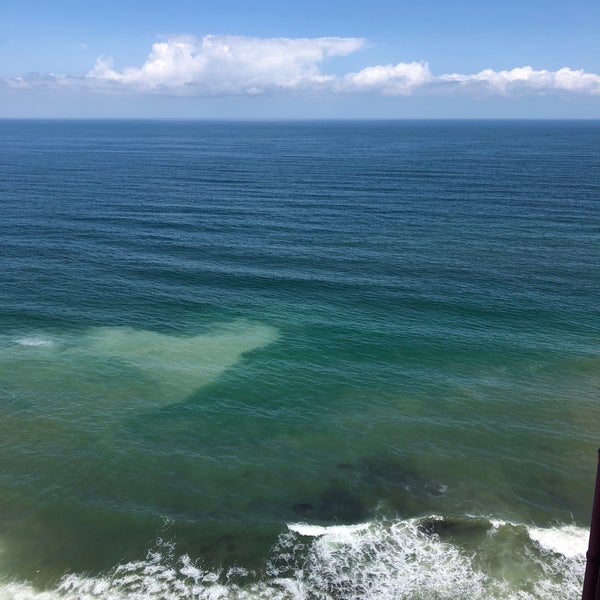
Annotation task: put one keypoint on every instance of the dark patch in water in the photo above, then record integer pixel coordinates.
(395, 472)
(304, 508)
(401, 474)
(338, 504)
(455, 528)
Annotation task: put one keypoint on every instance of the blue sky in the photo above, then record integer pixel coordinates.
(262, 59)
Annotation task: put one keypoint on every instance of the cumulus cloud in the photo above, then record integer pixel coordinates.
(231, 64)
(526, 78)
(218, 65)
(400, 79)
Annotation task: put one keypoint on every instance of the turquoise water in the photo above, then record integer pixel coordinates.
(337, 360)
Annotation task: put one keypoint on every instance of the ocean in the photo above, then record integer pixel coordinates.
(309, 360)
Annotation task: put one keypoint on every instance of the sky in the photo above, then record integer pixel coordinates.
(262, 59)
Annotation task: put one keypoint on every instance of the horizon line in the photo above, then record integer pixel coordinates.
(297, 119)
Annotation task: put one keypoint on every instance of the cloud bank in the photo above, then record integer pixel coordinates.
(232, 64)
(244, 66)
(526, 78)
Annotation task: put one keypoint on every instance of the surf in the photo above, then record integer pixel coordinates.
(453, 558)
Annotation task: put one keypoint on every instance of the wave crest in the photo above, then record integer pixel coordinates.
(433, 557)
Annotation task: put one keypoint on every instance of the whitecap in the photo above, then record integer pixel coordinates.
(35, 342)
(568, 540)
(377, 560)
(318, 530)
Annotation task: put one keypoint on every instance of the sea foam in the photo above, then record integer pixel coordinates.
(379, 560)
(568, 540)
(34, 342)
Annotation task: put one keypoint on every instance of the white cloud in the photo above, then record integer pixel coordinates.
(400, 79)
(19, 83)
(37, 80)
(231, 64)
(577, 81)
(236, 65)
(526, 78)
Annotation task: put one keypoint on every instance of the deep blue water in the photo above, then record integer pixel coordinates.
(210, 332)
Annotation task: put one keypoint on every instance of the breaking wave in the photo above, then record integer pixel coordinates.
(427, 558)
(36, 342)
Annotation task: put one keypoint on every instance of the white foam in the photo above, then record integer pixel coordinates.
(398, 560)
(35, 342)
(568, 540)
(497, 523)
(318, 530)
(372, 560)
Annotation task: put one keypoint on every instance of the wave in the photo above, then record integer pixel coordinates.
(433, 557)
(36, 342)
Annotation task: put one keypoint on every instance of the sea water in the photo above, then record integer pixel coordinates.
(298, 360)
